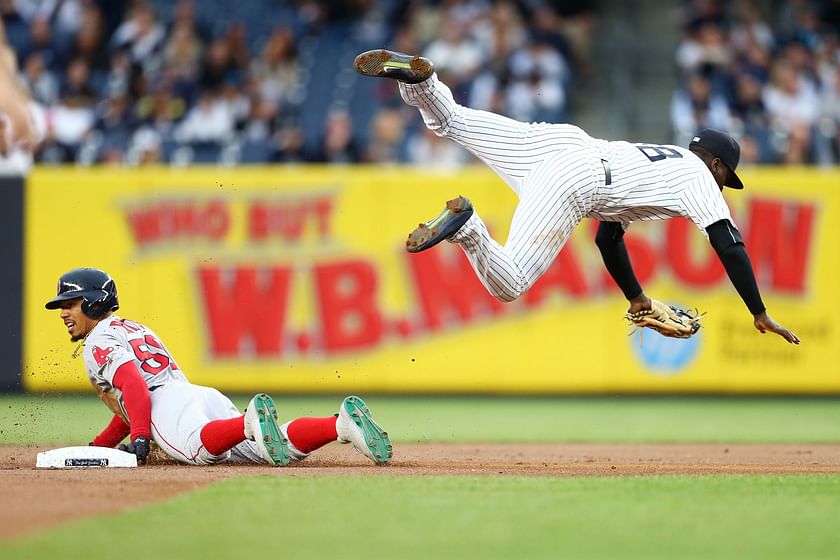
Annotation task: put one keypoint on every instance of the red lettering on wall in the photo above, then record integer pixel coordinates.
(245, 305)
(695, 268)
(447, 287)
(174, 220)
(779, 242)
(288, 219)
(346, 294)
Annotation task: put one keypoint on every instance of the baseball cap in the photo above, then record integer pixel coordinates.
(723, 146)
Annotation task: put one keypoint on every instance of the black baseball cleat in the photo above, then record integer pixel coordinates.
(407, 68)
(453, 217)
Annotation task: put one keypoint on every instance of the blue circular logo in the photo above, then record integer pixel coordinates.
(664, 355)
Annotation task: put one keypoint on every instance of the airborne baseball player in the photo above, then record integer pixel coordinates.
(135, 375)
(562, 175)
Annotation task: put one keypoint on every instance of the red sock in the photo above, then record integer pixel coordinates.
(220, 435)
(308, 434)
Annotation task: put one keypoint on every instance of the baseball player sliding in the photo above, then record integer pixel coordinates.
(135, 375)
(562, 175)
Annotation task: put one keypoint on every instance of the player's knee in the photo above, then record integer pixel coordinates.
(204, 457)
(506, 294)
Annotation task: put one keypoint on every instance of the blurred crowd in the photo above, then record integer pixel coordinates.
(261, 81)
(228, 82)
(769, 72)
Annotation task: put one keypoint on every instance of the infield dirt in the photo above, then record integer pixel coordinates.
(35, 498)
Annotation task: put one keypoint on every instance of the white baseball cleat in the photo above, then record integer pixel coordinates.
(261, 428)
(355, 425)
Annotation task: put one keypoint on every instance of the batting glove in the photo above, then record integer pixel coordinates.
(139, 446)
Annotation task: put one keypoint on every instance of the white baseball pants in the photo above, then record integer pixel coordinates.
(179, 412)
(555, 170)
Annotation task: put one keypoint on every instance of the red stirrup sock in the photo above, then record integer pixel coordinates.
(220, 435)
(308, 434)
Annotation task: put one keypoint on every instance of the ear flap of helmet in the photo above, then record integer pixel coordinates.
(94, 287)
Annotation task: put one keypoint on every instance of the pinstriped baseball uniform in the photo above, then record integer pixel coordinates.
(561, 175)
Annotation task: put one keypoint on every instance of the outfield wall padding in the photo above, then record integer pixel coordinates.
(295, 279)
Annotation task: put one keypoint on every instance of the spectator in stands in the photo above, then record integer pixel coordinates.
(115, 122)
(65, 14)
(537, 91)
(209, 121)
(141, 35)
(39, 81)
(288, 142)
(276, 70)
(339, 145)
(750, 117)
(704, 48)
(161, 109)
(429, 151)
(184, 15)
(458, 57)
(237, 41)
(387, 130)
(793, 106)
(751, 28)
(91, 44)
(40, 41)
(182, 56)
(218, 66)
(697, 107)
(145, 147)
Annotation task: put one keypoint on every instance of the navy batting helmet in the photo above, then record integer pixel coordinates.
(95, 287)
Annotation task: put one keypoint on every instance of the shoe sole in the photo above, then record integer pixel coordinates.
(389, 64)
(427, 235)
(376, 439)
(273, 440)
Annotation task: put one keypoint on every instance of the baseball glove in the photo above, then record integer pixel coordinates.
(667, 320)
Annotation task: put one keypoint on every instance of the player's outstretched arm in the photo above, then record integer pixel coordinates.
(610, 242)
(727, 242)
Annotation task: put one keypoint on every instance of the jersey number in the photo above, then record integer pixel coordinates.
(151, 354)
(657, 153)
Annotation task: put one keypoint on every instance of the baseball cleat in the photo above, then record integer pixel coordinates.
(407, 68)
(261, 428)
(453, 217)
(355, 425)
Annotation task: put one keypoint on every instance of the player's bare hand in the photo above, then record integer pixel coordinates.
(764, 323)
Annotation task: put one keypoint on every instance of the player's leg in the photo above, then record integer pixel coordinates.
(353, 424)
(542, 223)
(509, 147)
(177, 419)
(198, 425)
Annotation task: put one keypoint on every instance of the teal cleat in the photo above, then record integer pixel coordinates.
(355, 425)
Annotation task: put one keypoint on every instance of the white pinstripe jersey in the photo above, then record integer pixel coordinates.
(652, 182)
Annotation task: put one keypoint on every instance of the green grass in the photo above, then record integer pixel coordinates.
(702, 517)
(68, 419)
(741, 517)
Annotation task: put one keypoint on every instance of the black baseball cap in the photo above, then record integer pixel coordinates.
(723, 146)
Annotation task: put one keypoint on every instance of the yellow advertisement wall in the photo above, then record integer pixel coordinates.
(296, 279)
